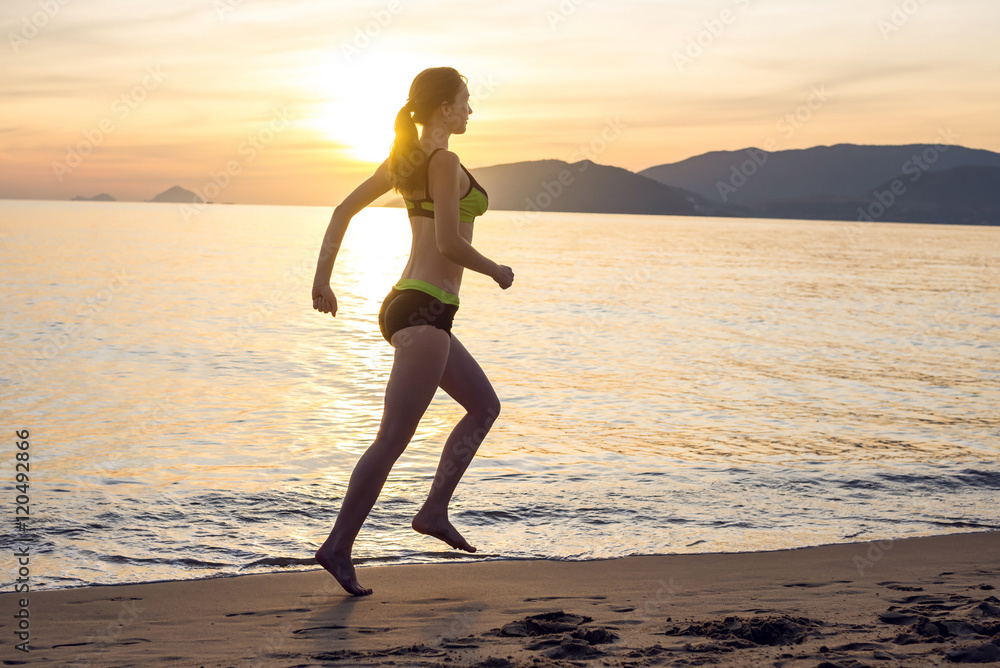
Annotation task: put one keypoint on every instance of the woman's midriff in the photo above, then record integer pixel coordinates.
(426, 262)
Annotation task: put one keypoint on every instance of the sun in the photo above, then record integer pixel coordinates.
(358, 102)
(364, 132)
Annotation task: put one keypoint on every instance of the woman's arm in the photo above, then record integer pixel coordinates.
(374, 187)
(445, 182)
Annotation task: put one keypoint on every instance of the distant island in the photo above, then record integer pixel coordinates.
(919, 183)
(178, 195)
(103, 197)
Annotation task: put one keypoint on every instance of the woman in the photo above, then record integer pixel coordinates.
(417, 314)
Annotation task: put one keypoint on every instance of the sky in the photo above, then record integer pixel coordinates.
(293, 101)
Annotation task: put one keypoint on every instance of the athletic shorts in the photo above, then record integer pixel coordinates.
(412, 308)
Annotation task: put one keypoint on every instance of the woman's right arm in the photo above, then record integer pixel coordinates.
(444, 186)
(374, 187)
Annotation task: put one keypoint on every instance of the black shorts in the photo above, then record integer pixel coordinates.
(410, 308)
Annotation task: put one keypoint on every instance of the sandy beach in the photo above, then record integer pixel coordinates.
(913, 602)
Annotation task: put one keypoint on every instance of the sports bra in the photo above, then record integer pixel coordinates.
(473, 203)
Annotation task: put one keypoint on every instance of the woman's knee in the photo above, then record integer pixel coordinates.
(493, 406)
(391, 441)
(487, 409)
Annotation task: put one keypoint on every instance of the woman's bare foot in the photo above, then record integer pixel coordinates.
(439, 527)
(340, 567)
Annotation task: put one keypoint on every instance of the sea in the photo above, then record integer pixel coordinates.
(173, 408)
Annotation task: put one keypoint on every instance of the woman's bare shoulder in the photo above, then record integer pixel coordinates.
(444, 157)
(445, 164)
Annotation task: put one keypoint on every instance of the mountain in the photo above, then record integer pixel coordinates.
(962, 195)
(177, 195)
(913, 183)
(965, 195)
(554, 185)
(751, 176)
(103, 197)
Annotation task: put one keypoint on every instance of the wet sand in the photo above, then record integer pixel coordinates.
(913, 602)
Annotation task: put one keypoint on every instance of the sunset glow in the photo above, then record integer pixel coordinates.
(361, 104)
(133, 98)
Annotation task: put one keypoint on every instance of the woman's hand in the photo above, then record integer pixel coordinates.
(504, 276)
(324, 300)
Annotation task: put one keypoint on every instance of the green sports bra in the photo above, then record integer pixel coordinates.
(473, 203)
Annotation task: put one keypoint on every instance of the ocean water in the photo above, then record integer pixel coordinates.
(669, 385)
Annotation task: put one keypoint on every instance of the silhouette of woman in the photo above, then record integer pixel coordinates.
(417, 314)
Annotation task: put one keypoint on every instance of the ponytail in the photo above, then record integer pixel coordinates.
(406, 154)
(428, 91)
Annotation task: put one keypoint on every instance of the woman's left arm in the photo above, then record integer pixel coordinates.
(373, 187)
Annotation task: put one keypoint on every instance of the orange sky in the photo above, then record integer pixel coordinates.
(260, 101)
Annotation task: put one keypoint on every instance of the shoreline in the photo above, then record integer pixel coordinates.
(911, 601)
(456, 557)
(461, 558)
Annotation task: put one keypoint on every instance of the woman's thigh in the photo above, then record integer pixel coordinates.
(417, 368)
(466, 382)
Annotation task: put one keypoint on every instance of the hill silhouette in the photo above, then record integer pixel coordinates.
(177, 195)
(103, 197)
(963, 195)
(923, 183)
(840, 171)
(555, 185)
(913, 183)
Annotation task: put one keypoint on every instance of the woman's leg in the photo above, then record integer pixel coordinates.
(463, 379)
(416, 370)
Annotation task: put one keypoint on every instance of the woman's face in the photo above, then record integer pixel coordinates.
(458, 111)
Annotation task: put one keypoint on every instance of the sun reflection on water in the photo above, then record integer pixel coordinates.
(742, 384)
